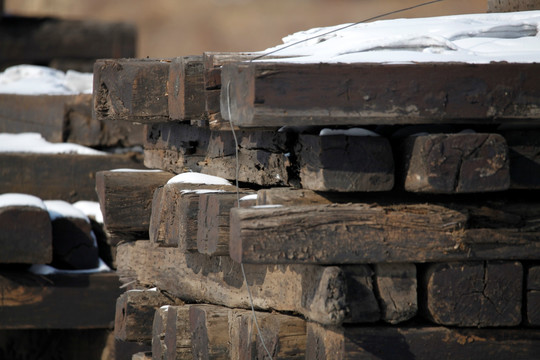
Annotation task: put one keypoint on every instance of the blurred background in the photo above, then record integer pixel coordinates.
(170, 28)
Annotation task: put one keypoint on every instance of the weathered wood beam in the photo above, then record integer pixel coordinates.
(41, 40)
(135, 314)
(345, 163)
(57, 301)
(64, 118)
(175, 210)
(125, 198)
(66, 177)
(132, 90)
(318, 293)
(209, 332)
(177, 334)
(455, 163)
(363, 233)
(396, 289)
(213, 222)
(263, 94)
(175, 146)
(25, 234)
(284, 336)
(185, 89)
(416, 342)
(473, 294)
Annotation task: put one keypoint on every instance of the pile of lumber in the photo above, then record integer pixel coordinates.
(413, 237)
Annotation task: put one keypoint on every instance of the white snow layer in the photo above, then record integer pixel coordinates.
(42, 269)
(473, 38)
(41, 80)
(16, 199)
(35, 143)
(90, 209)
(198, 178)
(62, 209)
(249, 197)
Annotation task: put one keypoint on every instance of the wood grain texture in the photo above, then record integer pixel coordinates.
(455, 163)
(276, 94)
(185, 89)
(474, 294)
(25, 235)
(397, 291)
(318, 293)
(135, 314)
(132, 90)
(125, 198)
(345, 163)
(363, 233)
(213, 221)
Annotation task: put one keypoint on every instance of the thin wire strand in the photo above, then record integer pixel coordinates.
(346, 27)
(238, 204)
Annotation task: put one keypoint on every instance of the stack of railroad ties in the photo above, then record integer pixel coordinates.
(415, 236)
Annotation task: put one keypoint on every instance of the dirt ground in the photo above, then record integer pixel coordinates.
(169, 28)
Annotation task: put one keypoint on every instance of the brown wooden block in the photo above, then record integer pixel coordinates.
(44, 114)
(362, 233)
(474, 294)
(178, 208)
(533, 296)
(523, 152)
(58, 176)
(159, 325)
(87, 41)
(255, 166)
(396, 290)
(213, 222)
(132, 90)
(185, 88)
(178, 334)
(74, 244)
(455, 163)
(348, 233)
(175, 147)
(25, 230)
(284, 336)
(209, 331)
(135, 314)
(125, 197)
(345, 163)
(318, 293)
(289, 196)
(57, 301)
(213, 62)
(261, 157)
(409, 342)
(263, 94)
(361, 295)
